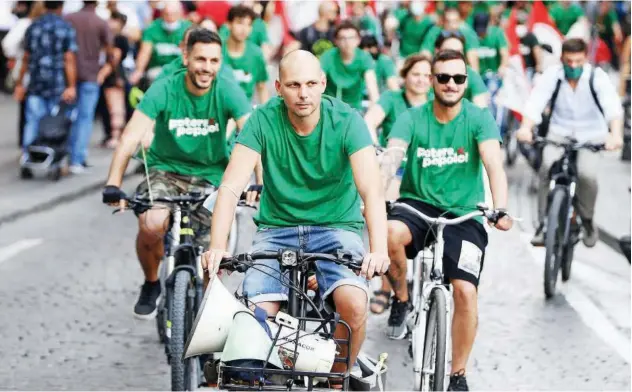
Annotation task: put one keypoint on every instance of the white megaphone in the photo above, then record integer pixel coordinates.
(213, 321)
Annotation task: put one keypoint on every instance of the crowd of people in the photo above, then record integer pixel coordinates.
(381, 63)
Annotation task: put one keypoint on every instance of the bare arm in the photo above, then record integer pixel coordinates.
(371, 85)
(504, 58)
(70, 66)
(242, 162)
(23, 69)
(267, 51)
(262, 92)
(392, 83)
(134, 132)
(373, 118)
(392, 160)
(144, 55)
(364, 164)
(259, 168)
(493, 162)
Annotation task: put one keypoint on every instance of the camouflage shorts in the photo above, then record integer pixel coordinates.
(170, 184)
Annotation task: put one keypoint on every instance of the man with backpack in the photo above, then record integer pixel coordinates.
(584, 105)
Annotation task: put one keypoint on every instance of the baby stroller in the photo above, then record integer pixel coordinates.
(49, 151)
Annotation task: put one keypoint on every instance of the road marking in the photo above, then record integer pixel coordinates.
(9, 251)
(589, 313)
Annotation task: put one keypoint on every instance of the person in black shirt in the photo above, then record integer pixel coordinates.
(530, 48)
(114, 80)
(318, 37)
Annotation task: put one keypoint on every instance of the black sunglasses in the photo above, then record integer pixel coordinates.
(445, 78)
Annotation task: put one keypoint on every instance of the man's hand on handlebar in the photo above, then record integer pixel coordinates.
(212, 258)
(114, 197)
(375, 264)
(525, 135)
(613, 142)
(252, 194)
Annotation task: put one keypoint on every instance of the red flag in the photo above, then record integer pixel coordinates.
(540, 16)
(510, 32)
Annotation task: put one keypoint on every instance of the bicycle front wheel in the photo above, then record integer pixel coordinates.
(183, 373)
(554, 241)
(433, 372)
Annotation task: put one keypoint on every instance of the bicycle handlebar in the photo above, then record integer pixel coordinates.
(142, 204)
(492, 215)
(570, 144)
(289, 258)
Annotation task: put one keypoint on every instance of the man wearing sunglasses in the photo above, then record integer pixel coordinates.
(446, 141)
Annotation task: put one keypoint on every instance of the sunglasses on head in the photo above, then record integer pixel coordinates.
(451, 34)
(445, 78)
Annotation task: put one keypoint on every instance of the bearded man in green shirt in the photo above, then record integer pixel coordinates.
(318, 164)
(189, 112)
(447, 142)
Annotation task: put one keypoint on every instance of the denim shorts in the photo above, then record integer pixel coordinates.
(261, 287)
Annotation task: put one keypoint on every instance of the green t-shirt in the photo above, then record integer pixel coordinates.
(190, 131)
(258, 35)
(249, 69)
(394, 103)
(444, 167)
(411, 32)
(384, 69)
(308, 179)
(346, 81)
(605, 24)
(475, 85)
(564, 18)
(471, 39)
(165, 45)
(177, 65)
(489, 51)
(369, 25)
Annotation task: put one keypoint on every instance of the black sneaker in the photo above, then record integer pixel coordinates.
(397, 319)
(146, 306)
(458, 382)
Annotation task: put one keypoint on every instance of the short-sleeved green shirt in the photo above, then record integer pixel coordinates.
(475, 85)
(249, 69)
(165, 45)
(308, 179)
(411, 31)
(564, 18)
(190, 131)
(489, 51)
(471, 39)
(444, 167)
(605, 24)
(384, 69)
(393, 103)
(258, 35)
(346, 81)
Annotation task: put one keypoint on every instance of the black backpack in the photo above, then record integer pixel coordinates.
(54, 128)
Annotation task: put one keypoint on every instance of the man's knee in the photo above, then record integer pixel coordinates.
(153, 225)
(398, 237)
(465, 295)
(351, 303)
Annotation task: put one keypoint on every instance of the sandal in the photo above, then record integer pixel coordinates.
(385, 304)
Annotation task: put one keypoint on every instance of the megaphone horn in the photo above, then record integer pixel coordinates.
(213, 321)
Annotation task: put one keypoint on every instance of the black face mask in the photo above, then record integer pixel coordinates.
(375, 55)
(21, 14)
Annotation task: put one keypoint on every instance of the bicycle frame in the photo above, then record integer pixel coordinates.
(428, 276)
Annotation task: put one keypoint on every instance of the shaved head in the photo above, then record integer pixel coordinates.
(299, 63)
(301, 83)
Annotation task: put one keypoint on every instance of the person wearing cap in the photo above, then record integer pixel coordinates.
(384, 65)
(452, 23)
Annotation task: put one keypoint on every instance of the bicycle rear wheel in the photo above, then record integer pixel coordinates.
(183, 373)
(553, 241)
(433, 372)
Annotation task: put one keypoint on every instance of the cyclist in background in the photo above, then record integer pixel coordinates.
(579, 114)
(349, 70)
(384, 65)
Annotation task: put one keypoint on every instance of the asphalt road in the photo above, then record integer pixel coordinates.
(69, 279)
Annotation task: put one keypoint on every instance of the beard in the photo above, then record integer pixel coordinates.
(448, 103)
(194, 81)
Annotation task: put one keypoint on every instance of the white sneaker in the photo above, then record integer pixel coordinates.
(76, 169)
